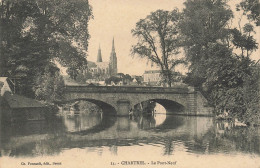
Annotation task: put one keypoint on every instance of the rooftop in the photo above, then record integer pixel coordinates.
(17, 101)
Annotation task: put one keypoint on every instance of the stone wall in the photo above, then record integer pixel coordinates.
(193, 102)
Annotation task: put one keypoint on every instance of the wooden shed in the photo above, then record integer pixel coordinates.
(20, 108)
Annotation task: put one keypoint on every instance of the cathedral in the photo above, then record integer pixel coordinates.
(102, 70)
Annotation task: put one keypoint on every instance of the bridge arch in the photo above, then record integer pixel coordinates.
(105, 107)
(170, 106)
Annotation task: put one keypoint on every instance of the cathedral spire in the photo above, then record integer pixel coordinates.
(113, 45)
(113, 60)
(99, 56)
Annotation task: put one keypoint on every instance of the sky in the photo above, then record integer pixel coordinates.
(116, 18)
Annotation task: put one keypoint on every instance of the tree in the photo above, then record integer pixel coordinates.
(49, 86)
(34, 33)
(243, 37)
(127, 79)
(81, 78)
(233, 87)
(204, 31)
(120, 75)
(158, 41)
(113, 79)
(228, 79)
(251, 8)
(244, 40)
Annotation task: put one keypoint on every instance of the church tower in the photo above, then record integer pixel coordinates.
(99, 56)
(113, 60)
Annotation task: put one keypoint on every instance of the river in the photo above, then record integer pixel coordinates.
(98, 140)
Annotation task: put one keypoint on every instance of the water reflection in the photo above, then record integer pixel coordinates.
(87, 123)
(82, 122)
(159, 114)
(149, 115)
(169, 134)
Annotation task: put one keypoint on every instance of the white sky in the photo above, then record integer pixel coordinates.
(116, 18)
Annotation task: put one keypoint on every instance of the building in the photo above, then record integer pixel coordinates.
(101, 70)
(19, 108)
(152, 77)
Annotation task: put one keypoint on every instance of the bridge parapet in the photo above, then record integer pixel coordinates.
(125, 89)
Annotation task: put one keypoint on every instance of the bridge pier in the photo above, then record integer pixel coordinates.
(123, 107)
(123, 124)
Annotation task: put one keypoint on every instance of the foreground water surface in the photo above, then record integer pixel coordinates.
(95, 140)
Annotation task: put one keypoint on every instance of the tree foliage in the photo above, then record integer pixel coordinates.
(244, 40)
(112, 79)
(228, 79)
(34, 33)
(250, 8)
(49, 86)
(204, 24)
(158, 40)
(233, 87)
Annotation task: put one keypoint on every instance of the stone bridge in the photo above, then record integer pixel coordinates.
(121, 98)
